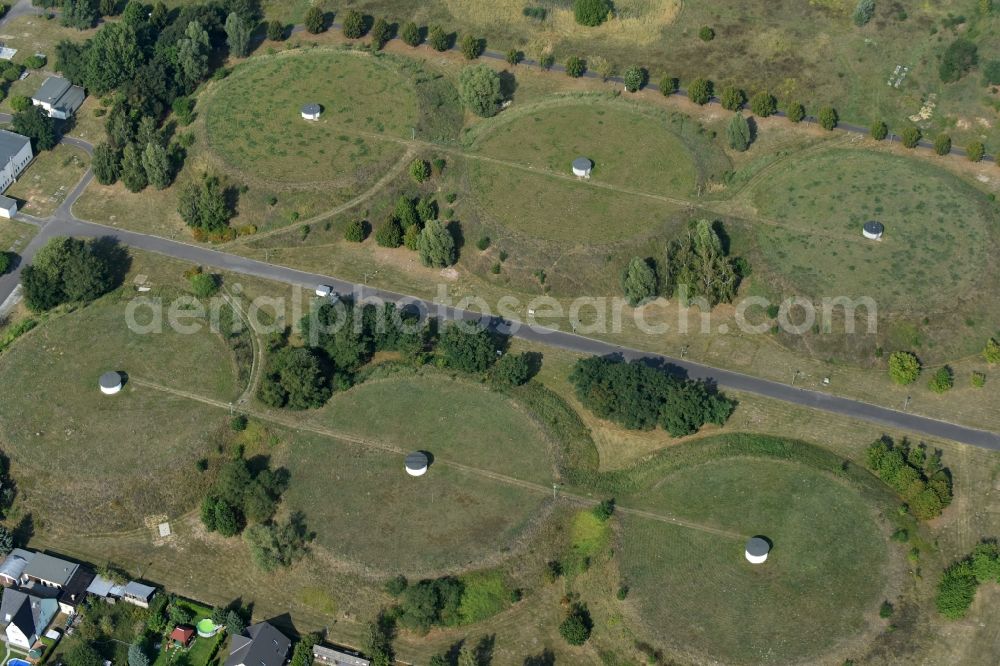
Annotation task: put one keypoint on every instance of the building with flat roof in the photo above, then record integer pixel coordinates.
(337, 657)
(59, 98)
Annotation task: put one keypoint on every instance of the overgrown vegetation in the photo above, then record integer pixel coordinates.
(918, 478)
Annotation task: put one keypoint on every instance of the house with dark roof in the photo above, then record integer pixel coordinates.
(26, 617)
(260, 645)
(58, 97)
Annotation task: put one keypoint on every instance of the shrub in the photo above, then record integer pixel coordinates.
(315, 20)
(420, 170)
(828, 118)
(537, 13)
(942, 380)
(239, 423)
(763, 104)
(576, 628)
(483, 243)
(410, 34)
(35, 62)
(438, 39)
(396, 585)
(390, 234)
(991, 73)
(864, 12)
(511, 370)
(381, 33)
(635, 78)
(991, 352)
(910, 136)
(975, 151)
(591, 12)
(956, 590)
(885, 610)
(353, 24)
(880, 130)
(204, 285)
(700, 91)
(411, 237)
(575, 67)
(183, 108)
(669, 85)
(604, 67)
(706, 34)
(604, 510)
(738, 133)
(622, 592)
(479, 90)
(356, 231)
(942, 144)
(904, 367)
(978, 379)
(471, 47)
(960, 56)
(639, 281)
(436, 245)
(796, 112)
(513, 56)
(546, 60)
(20, 103)
(733, 98)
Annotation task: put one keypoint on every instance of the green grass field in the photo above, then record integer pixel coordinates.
(936, 245)
(821, 583)
(49, 179)
(268, 136)
(93, 462)
(629, 149)
(368, 511)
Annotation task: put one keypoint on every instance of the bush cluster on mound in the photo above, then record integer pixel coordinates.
(242, 495)
(957, 587)
(448, 601)
(640, 397)
(69, 270)
(918, 478)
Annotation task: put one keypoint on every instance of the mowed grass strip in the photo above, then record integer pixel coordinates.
(453, 419)
(254, 118)
(628, 148)
(820, 584)
(937, 235)
(366, 510)
(555, 209)
(99, 462)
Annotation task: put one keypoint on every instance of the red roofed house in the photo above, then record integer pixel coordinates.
(182, 636)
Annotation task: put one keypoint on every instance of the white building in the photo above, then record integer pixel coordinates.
(311, 111)
(26, 617)
(757, 550)
(582, 167)
(15, 155)
(59, 98)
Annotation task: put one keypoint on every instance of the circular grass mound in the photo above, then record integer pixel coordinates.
(936, 241)
(366, 510)
(822, 581)
(254, 123)
(92, 462)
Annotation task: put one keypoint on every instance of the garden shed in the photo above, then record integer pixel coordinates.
(582, 167)
(873, 230)
(757, 550)
(311, 111)
(417, 463)
(111, 383)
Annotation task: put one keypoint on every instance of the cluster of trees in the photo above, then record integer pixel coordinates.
(206, 206)
(242, 494)
(70, 270)
(35, 124)
(699, 262)
(919, 479)
(638, 396)
(959, 582)
(697, 266)
(340, 338)
(137, 152)
(273, 545)
(414, 224)
(429, 603)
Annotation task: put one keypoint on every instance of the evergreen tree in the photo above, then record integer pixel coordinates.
(105, 164)
(638, 281)
(192, 54)
(436, 245)
(238, 35)
(738, 133)
(133, 173)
